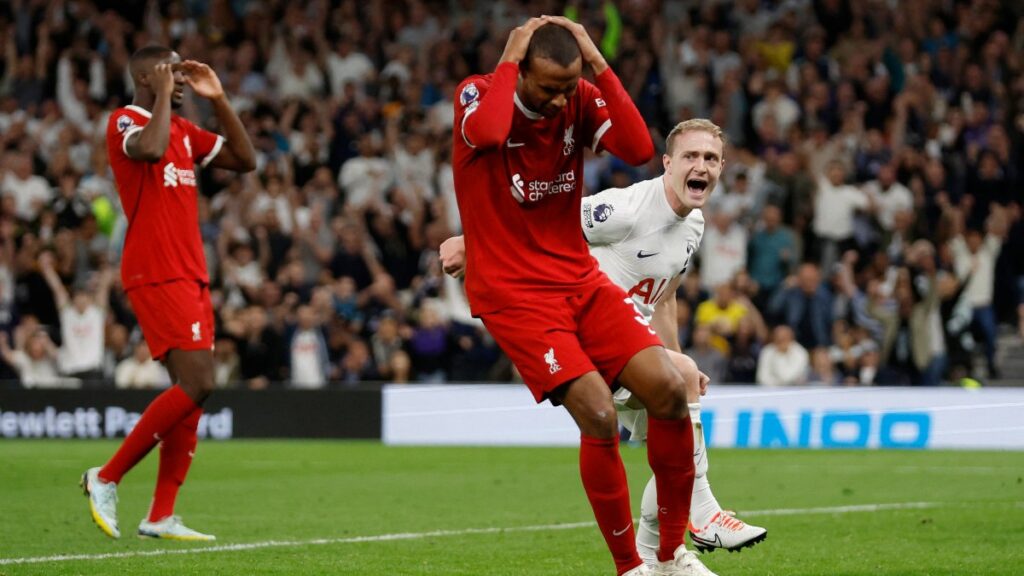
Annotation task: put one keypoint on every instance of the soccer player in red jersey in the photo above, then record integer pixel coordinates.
(154, 154)
(518, 164)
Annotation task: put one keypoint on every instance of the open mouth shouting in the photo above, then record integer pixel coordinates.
(696, 187)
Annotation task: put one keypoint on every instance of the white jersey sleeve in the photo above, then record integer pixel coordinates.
(607, 217)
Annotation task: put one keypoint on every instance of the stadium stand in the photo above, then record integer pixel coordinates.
(871, 200)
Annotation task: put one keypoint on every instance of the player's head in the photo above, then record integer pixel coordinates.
(550, 71)
(141, 64)
(694, 158)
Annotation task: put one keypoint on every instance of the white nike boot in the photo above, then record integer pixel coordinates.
(102, 501)
(683, 563)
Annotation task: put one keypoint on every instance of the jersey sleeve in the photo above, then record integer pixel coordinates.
(595, 115)
(483, 109)
(607, 217)
(468, 96)
(205, 144)
(120, 126)
(617, 125)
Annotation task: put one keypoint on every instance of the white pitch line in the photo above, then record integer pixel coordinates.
(843, 509)
(424, 535)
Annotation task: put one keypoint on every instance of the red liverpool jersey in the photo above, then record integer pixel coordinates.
(160, 200)
(519, 201)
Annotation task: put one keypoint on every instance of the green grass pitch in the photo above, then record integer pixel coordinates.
(348, 508)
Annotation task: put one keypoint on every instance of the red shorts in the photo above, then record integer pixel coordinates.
(554, 341)
(176, 314)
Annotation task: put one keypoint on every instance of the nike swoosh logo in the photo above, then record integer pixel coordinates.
(512, 144)
(716, 543)
(621, 532)
(641, 254)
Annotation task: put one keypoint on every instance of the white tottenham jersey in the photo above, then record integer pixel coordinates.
(638, 240)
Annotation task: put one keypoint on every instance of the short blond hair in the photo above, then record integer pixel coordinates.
(694, 125)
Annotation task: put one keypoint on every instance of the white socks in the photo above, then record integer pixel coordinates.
(703, 505)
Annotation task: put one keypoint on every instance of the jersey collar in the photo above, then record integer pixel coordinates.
(139, 110)
(526, 111)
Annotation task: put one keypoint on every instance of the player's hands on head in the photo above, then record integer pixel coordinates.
(453, 256)
(202, 79)
(591, 54)
(519, 39)
(162, 79)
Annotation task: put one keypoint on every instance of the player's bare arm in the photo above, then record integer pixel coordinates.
(665, 323)
(664, 318)
(49, 272)
(150, 143)
(453, 256)
(237, 153)
(106, 279)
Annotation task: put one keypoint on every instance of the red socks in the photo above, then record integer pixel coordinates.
(604, 479)
(162, 414)
(176, 451)
(670, 454)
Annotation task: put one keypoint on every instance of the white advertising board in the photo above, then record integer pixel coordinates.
(733, 416)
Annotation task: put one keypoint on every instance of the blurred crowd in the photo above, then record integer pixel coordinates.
(867, 229)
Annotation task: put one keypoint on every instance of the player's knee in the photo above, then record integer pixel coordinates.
(599, 420)
(198, 387)
(691, 374)
(671, 401)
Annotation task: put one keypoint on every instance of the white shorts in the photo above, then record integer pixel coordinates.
(632, 414)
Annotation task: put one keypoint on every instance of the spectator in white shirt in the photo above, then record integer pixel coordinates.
(738, 200)
(83, 320)
(835, 205)
(413, 160)
(366, 177)
(308, 351)
(723, 250)
(296, 72)
(346, 65)
(974, 256)
(34, 358)
(777, 104)
(30, 191)
(74, 93)
(784, 362)
(140, 370)
(890, 196)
